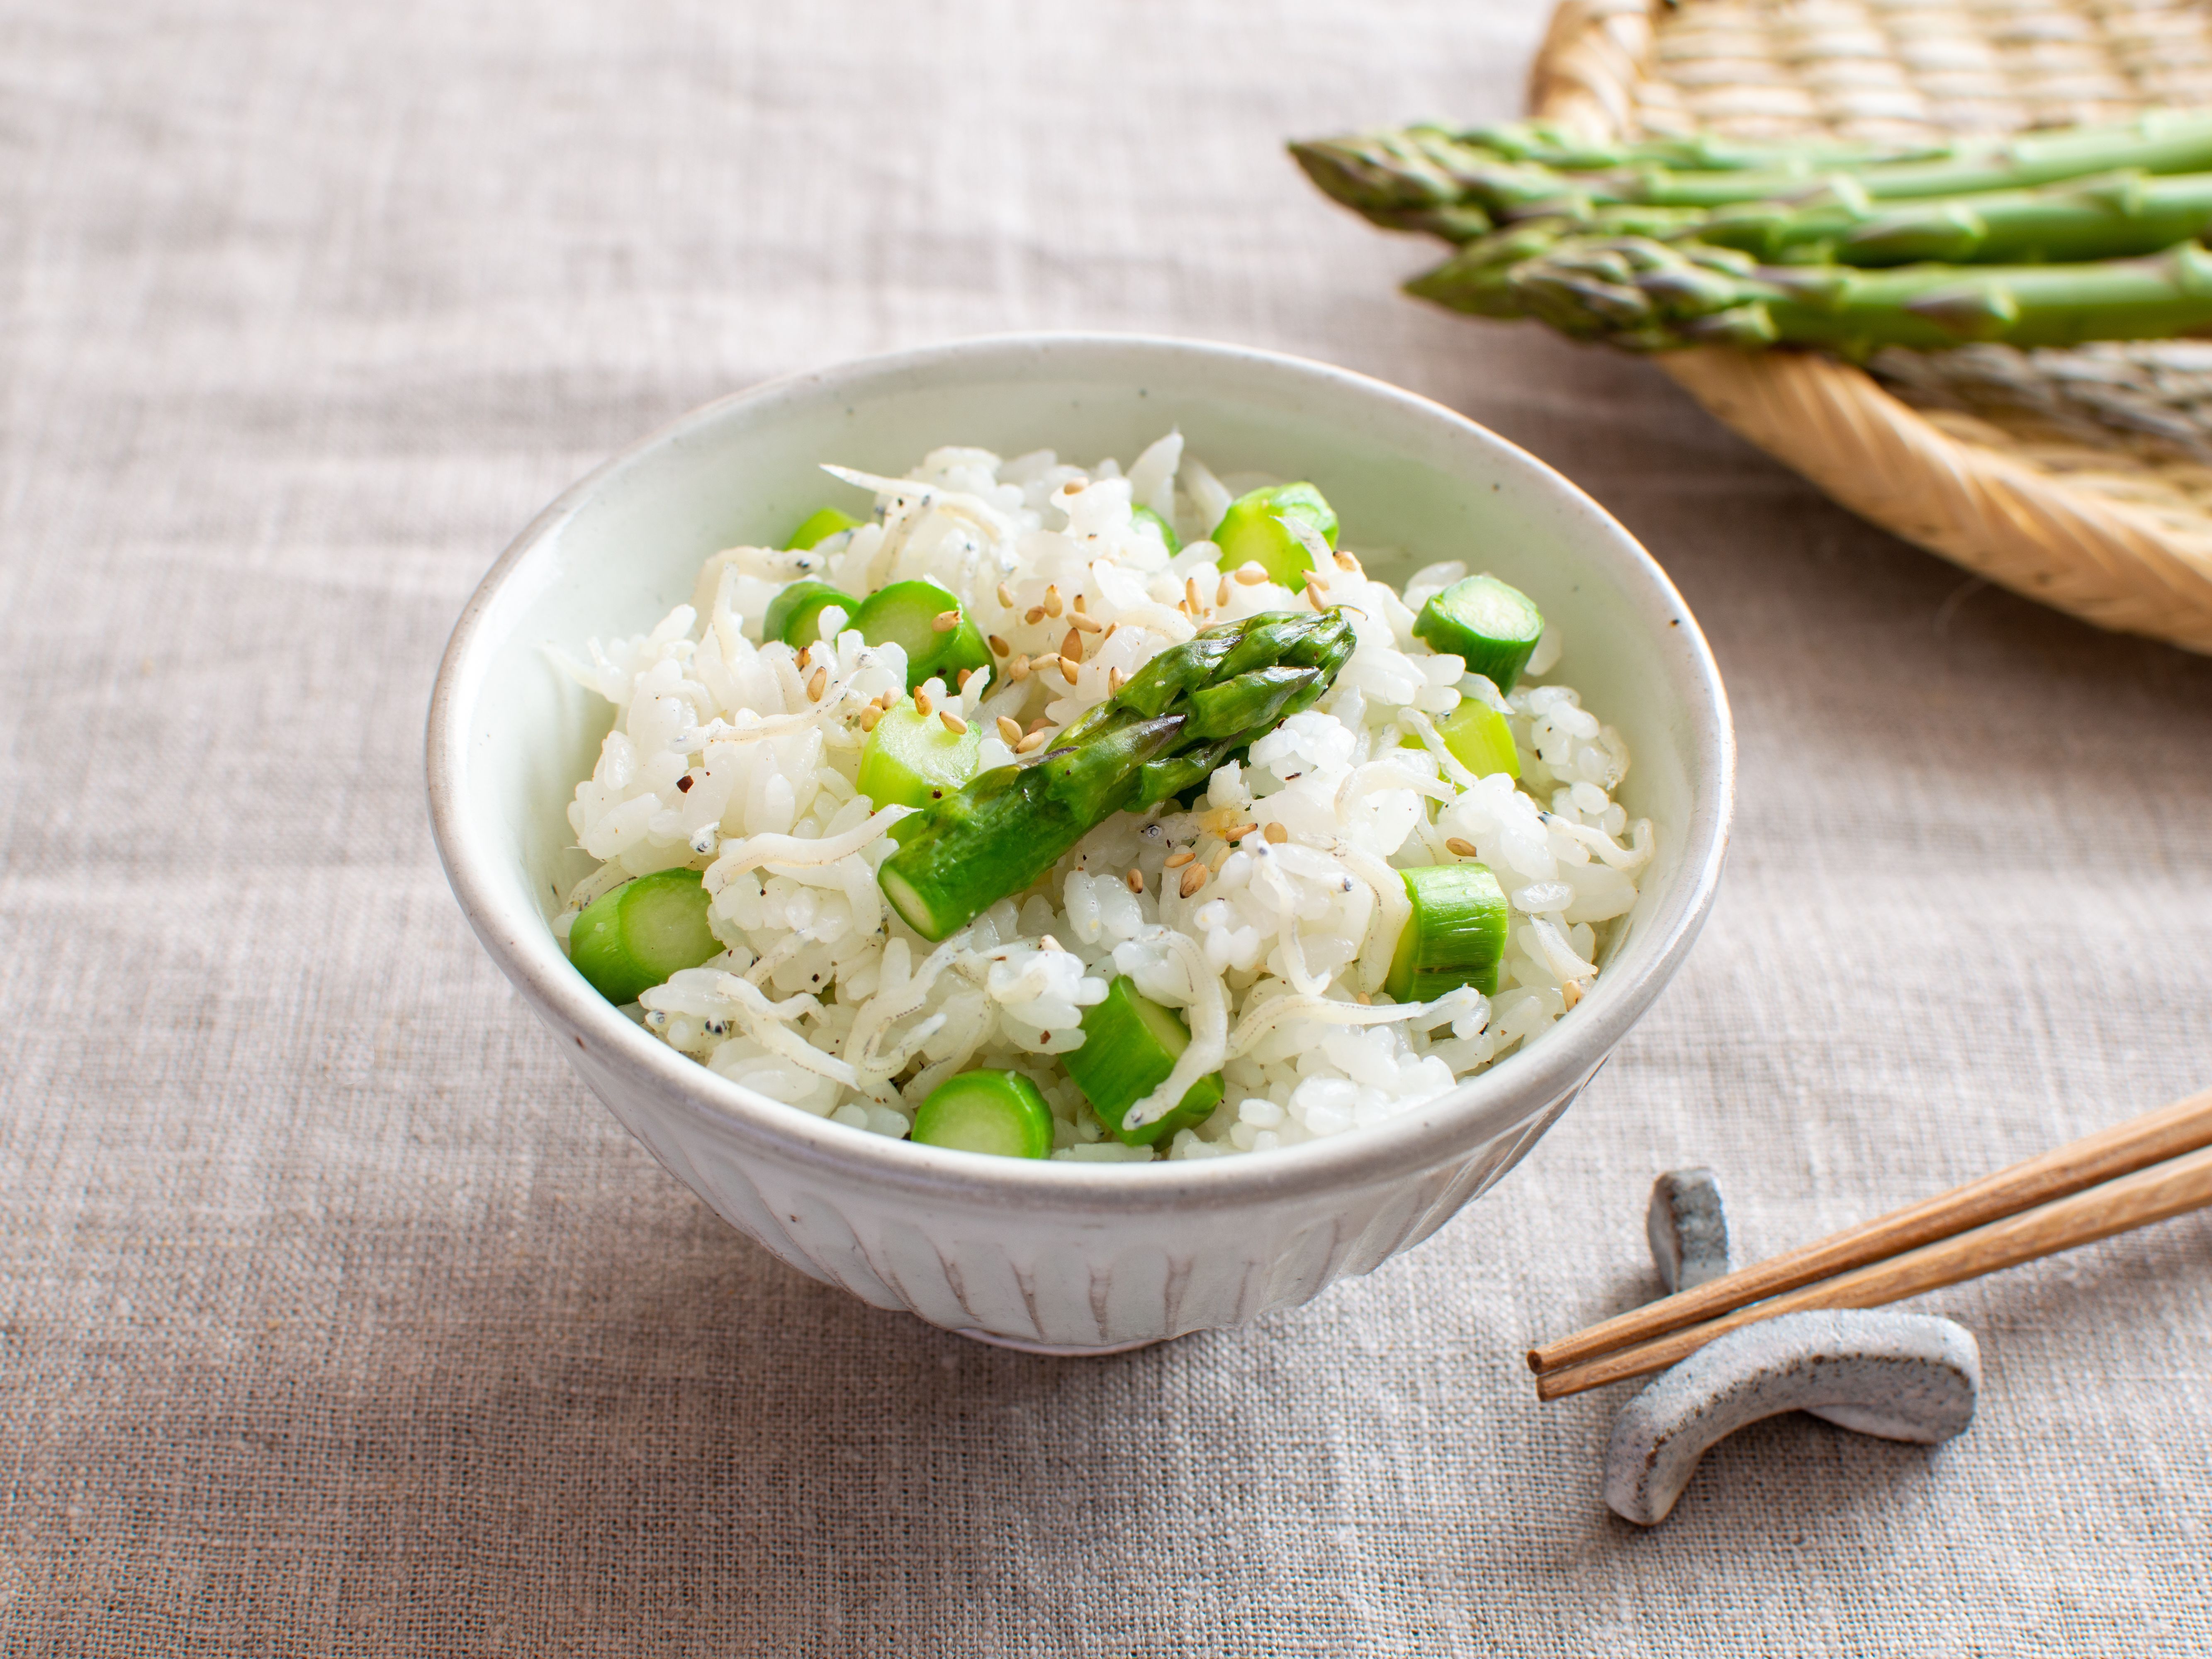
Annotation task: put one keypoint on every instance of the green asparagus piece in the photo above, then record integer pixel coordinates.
(999, 1113)
(1182, 715)
(1143, 516)
(1130, 1045)
(1478, 738)
(1648, 296)
(632, 939)
(794, 616)
(1491, 627)
(911, 759)
(928, 624)
(1253, 531)
(1408, 179)
(1455, 935)
(820, 526)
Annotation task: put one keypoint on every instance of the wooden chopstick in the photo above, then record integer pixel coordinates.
(2137, 1144)
(2157, 1193)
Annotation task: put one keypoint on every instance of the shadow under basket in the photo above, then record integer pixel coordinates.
(2081, 479)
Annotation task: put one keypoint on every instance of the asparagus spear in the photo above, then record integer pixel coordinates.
(2111, 217)
(1186, 711)
(1549, 145)
(1648, 296)
(1419, 178)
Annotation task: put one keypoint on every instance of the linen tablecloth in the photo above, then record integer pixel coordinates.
(336, 1318)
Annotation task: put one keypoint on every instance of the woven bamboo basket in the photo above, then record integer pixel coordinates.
(2080, 478)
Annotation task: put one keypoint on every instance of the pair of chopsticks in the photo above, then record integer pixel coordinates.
(2148, 1169)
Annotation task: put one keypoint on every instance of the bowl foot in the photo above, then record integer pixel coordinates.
(1058, 1350)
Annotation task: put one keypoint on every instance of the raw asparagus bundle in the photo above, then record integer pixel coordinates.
(1647, 295)
(1185, 712)
(1429, 179)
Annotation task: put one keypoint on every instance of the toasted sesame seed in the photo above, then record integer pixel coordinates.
(1345, 562)
(1221, 593)
(999, 647)
(1034, 614)
(960, 680)
(1010, 730)
(1251, 573)
(1315, 599)
(1032, 743)
(1240, 831)
(1116, 679)
(1079, 604)
(821, 677)
(922, 703)
(1190, 594)
(953, 723)
(1276, 834)
(1073, 645)
(1041, 723)
(1177, 860)
(1136, 881)
(1193, 880)
(1365, 1001)
(1571, 992)
(1051, 599)
(869, 716)
(1069, 668)
(1461, 849)
(1018, 669)
(1005, 596)
(945, 620)
(1085, 624)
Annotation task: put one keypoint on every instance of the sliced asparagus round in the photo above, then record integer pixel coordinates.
(998, 1112)
(1455, 936)
(928, 624)
(1130, 1044)
(1252, 532)
(1492, 626)
(1186, 712)
(912, 759)
(794, 616)
(634, 937)
(820, 527)
(1478, 738)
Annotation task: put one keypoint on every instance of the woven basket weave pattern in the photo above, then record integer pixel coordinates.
(2080, 478)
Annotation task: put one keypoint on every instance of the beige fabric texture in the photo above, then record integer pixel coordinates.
(336, 1318)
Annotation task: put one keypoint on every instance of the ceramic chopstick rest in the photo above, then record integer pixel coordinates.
(1688, 1228)
(1900, 1377)
(1903, 1377)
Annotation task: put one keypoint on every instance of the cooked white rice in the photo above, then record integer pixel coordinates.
(824, 1000)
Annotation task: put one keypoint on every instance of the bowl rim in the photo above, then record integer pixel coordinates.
(1475, 1112)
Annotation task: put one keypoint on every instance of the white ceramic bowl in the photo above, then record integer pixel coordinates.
(1061, 1256)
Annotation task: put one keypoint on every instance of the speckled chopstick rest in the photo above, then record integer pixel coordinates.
(1688, 1228)
(1903, 1377)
